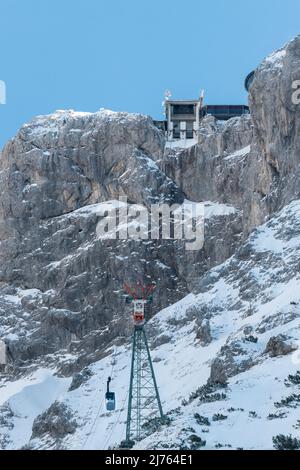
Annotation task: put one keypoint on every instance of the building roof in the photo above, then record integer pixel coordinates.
(182, 101)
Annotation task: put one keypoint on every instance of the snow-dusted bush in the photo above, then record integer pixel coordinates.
(282, 442)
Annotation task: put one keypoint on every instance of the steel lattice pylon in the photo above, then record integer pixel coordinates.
(143, 391)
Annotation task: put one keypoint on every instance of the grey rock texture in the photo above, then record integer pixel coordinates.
(265, 178)
(204, 333)
(268, 260)
(61, 282)
(252, 304)
(218, 373)
(61, 298)
(232, 360)
(6, 425)
(279, 346)
(204, 171)
(276, 122)
(80, 378)
(56, 422)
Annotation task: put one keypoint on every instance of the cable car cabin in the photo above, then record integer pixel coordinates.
(110, 399)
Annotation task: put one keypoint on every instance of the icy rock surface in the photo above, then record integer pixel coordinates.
(61, 286)
(225, 338)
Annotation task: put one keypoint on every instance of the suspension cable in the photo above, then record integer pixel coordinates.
(101, 403)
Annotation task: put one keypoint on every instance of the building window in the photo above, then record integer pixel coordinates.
(183, 109)
(176, 130)
(190, 130)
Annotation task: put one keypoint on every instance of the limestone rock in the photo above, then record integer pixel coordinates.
(68, 283)
(57, 422)
(218, 373)
(204, 333)
(278, 346)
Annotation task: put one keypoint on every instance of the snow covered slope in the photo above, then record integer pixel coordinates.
(22, 401)
(240, 332)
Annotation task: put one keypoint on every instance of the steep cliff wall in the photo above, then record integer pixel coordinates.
(54, 175)
(61, 302)
(252, 162)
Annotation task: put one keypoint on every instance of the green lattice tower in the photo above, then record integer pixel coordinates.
(143, 392)
(144, 400)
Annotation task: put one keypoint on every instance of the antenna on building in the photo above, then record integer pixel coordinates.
(201, 99)
(167, 96)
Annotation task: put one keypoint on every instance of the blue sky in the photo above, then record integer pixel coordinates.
(123, 54)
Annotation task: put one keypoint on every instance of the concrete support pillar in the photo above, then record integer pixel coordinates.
(182, 130)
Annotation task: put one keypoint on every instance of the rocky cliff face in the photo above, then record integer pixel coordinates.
(276, 123)
(264, 175)
(54, 176)
(61, 302)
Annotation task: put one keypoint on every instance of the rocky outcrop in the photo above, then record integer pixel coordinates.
(204, 333)
(61, 286)
(276, 122)
(61, 282)
(218, 373)
(80, 378)
(252, 162)
(56, 422)
(208, 170)
(279, 346)
(67, 160)
(61, 299)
